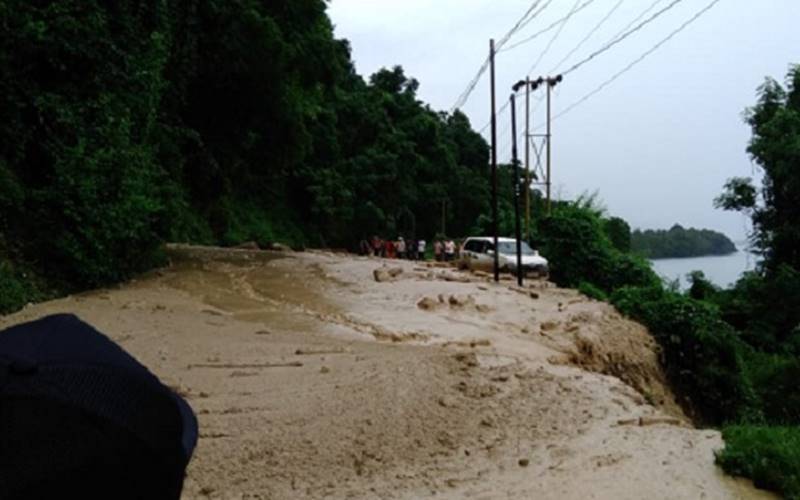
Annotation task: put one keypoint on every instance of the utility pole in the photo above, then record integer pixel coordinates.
(515, 162)
(527, 159)
(529, 86)
(551, 82)
(494, 166)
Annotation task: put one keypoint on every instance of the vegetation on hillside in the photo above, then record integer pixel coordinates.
(678, 242)
(733, 355)
(128, 124)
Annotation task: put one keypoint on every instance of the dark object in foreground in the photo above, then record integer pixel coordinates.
(81, 418)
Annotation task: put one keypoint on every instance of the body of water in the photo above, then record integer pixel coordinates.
(720, 270)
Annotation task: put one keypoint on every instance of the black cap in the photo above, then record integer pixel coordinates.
(80, 415)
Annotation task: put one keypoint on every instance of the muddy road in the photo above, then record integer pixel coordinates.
(313, 380)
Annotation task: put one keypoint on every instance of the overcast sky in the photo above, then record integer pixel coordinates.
(657, 144)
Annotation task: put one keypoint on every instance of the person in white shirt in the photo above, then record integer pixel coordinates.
(401, 248)
(421, 249)
(449, 250)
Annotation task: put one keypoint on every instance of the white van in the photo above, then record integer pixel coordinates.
(478, 253)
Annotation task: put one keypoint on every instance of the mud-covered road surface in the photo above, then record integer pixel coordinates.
(311, 379)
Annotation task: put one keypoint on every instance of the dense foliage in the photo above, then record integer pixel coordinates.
(575, 241)
(768, 455)
(127, 124)
(764, 306)
(678, 242)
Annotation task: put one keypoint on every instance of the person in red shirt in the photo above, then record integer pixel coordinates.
(437, 249)
(389, 249)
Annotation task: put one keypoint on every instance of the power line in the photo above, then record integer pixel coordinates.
(498, 114)
(522, 21)
(531, 18)
(464, 97)
(526, 18)
(637, 60)
(622, 37)
(545, 30)
(637, 18)
(588, 36)
(555, 36)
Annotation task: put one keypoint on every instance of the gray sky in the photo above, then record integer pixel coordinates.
(657, 144)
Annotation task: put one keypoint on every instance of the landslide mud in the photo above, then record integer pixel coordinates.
(313, 380)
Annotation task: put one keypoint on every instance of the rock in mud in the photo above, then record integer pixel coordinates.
(549, 326)
(459, 301)
(428, 304)
(448, 402)
(279, 247)
(483, 308)
(455, 278)
(248, 245)
(645, 421)
(395, 272)
(381, 275)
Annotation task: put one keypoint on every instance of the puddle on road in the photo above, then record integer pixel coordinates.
(262, 287)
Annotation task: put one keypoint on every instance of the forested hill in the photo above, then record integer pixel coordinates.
(678, 242)
(127, 124)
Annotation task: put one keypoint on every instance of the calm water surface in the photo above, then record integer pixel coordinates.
(722, 271)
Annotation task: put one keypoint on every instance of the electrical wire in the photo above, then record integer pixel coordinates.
(636, 61)
(545, 30)
(522, 21)
(526, 18)
(637, 18)
(587, 37)
(622, 37)
(555, 37)
(531, 18)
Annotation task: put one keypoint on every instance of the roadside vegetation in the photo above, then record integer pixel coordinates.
(732, 355)
(128, 124)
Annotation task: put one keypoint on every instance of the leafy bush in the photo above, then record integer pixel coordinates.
(619, 233)
(16, 289)
(247, 221)
(592, 291)
(775, 378)
(768, 455)
(701, 353)
(765, 308)
(579, 250)
(701, 288)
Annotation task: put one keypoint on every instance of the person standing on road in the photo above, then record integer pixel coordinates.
(437, 250)
(449, 251)
(421, 250)
(388, 249)
(401, 248)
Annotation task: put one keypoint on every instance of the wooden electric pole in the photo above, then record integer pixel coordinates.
(527, 159)
(551, 82)
(515, 163)
(494, 166)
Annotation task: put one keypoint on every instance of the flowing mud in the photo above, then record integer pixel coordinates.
(317, 375)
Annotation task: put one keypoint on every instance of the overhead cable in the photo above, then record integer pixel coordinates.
(621, 37)
(541, 32)
(636, 61)
(587, 37)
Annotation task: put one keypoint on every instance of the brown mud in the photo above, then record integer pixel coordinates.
(313, 380)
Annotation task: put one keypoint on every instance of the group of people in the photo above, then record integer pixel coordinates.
(444, 249)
